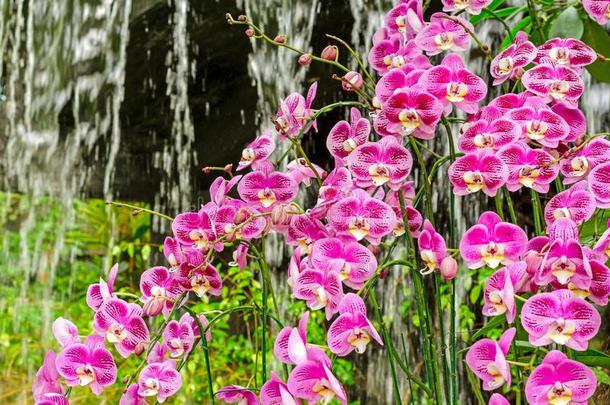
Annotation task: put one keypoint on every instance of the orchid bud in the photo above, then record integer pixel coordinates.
(305, 59)
(280, 39)
(280, 216)
(249, 32)
(229, 168)
(384, 273)
(352, 81)
(229, 18)
(207, 170)
(242, 18)
(375, 249)
(153, 307)
(449, 268)
(240, 216)
(139, 349)
(330, 53)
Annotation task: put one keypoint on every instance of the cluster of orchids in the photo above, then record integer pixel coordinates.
(343, 245)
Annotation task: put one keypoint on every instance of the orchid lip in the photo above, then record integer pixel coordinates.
(579, 165)
(559, 88)
(562, 331)
(349, 145)
(321, 298)
(86, 374)
(116, 333)
(359, 228)
(495, 297)
(359, 338)
(323, 388)
(379, 174)
(528, 175)
(444, 40)
(562, 213)
(492, 254)
(563, 268)
(152, 387)
(248, 155)
(474, 181)
(267, 197)
(560, 55)
(484, 141)
(409, 120)
(505, 65)
(536, 129)
(456, 91)
(559, 394)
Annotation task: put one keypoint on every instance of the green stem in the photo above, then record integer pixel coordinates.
(441, 322)
(139, 209)
(206, 358)
(511, 208)
(358, 60)
(536, 212)
(427, 190)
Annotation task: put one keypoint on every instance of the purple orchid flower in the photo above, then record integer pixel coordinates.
(378, 163)
(65, 332)
(236, 394)
(599, 179)
(391, 53)
(471, 6)
(444, 33)
(337, 185)
(410, 112)
(352, 330)
(491, 242)
(487, 360)
(575, 203)
(131, 396)
(267, 189)
(295, 113)
(559, 380)
(554, 82)
(257, 151)
(345, 137)
(122, 324)
(498, 399)
(575, 119)
(396, 81)
(601, 250)
(179, 337)
(600, 284)
(560, 317)
(276, 392)
(52, 399)
(159, 290)
(230, 218)
(478, 171)
(319, 289)
(99, 292)
(194, 230)
(362, 217)
(432, 248)
(160, 380)
(313, 381)
(87, 364)
(599, 10)
(580, 163)
(509, 63)
(187, 318)
(301, 172)
(532, 168)
(566, 51)
(304, 230)
(487, 133)
(540, 123)
(500, 290)
(47, 378)
(354, 263)
(450, 82)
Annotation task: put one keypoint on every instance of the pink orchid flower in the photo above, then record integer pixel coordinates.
(345, 137)
(510, 101)
(488, 134)
(236, 394)
(257, 151)
(194, 230)
(566, 51)
(432, 248)
(600, 284)
(187, 318)
(131, 396)
(554, 82)
(578, 165)
(275, 392)
(304, 230)
(295, 113)
(491, 242)
(378, 163)
(160, 380)
(352, 330)
(314, 382)
(532, 168)
(565, 261)
(99, 292)
(173, 252)
(392, 53)
(601, 250)
(478, 171)
(47, 379)
(354, 263)
(337, 185)
(405, 19)
(87, 363)
(487, 360)
(498, 399)
(444, 33)
(65, 332)
(472, 6)
(267, 189)
(122, 324)
(52, 399)
(179, 337)
(236, 220)
(500, 291)
(599, 181)
(362, 217)
(319, 289)
(450, 82)
(158, 353)
(575, 203)
(397, 80)
(575, 119)
(540, 124)
(560, 317)
(559, 380)
(219, 189)
(509, 63)
(301, 172)
(159, 290)
(291, 345)
(598, 9)
(410, 112)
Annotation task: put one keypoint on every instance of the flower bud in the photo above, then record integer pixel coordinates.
(330, 53)
(280, 216)
(240, 216)
(206, 170)
(249, 32)
(139, 349)
(384, 273)
(153, 307)
(352, 81)
(229, 168)
(305, 59)
(229, 18)
(242, 18)
(449, 268)
(375, 249)
(280, 39)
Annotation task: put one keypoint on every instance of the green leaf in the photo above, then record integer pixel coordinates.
(597, 38)
(524, 25)
(567, 25)
(601, 376)
(592, 357)
(486, 15)
(492, 324)
(475, 293)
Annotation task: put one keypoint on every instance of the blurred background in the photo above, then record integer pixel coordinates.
(127, 100)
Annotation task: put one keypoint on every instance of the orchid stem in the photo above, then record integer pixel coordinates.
(137, 209)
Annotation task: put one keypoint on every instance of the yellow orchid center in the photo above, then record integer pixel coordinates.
(116, 333)
(444, 40)
(495, 297)
(359, 338)
(359, 227)
(528, 175)
(462, 4)
(152, 387)
(429, 259)
(484, 141)
(560, 55)
(247, 155)
(401, 23)
(456, 92)
(563, 268)
(579, 165)
(505, 65)
(492, 254)
(266, 197)
(200, 284)
(199, 238)
(323, 389)
(85, 374)
(321, 298)
(562, 213)
(474, 181)
(379, 173)
(409, 120)
(536, 129)
(498, 378)
(349, 145)
(345, 271)
(561, 331)
(559, 395)
(578, 292)
(559, 88)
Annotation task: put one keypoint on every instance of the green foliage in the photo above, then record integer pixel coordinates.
(597, 38)
(567, 25)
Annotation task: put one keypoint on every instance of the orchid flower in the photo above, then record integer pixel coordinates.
(47, 378)
(159, 290)
(540, 123)
(566, 51)
(160, 380)
(345, 137)
(52, 399)
(472, 6)
(509, 63)
(555, 82)
(579, 164)
(532, 168)
(122, 324)
(276, 392)
(598, 9)
(179, 337)
(232, 394)
(194, 230)
(131, 396)
(65, 332)
(267, 189)
(295, 113)
(444, 33)
(599, 181)
(488, 134)
(301, 172)
(320, 289)
(257, 151)
(575, 203)
(487, 360)
(500, 290)
(313, 381)
(432, 248)
(99, 292)
(478, 171)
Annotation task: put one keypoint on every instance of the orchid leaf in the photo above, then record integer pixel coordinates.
(567, 25)
(597, 38)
